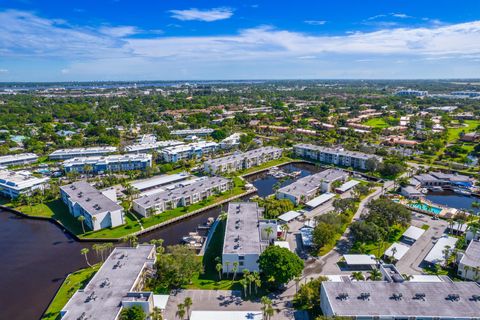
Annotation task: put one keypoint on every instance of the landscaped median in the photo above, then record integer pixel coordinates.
(57, 210)
(75, 281)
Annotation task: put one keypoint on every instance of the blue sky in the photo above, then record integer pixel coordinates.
(199, 39)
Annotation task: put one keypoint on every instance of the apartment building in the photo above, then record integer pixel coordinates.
(117, 284)
(100, 208)
(63, 154)
(147, 147)
(246, 236)
(15, 183)
(242, 160)
(469, 264)
(336, 156)
(196, 132)
(309, 187)
(18, 159)
(187, 193)
(105, 164)
(188, 151)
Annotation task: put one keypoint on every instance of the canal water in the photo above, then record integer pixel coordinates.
(454, 200)
(266, 183)
(37, 255)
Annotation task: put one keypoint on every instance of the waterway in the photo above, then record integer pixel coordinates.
(266, 183)
(37, 255)
(453, 200)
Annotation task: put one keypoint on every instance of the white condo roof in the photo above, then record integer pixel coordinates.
(400, 249)
(413, 233)
(289, 216)
(315, 202)
(359, 259)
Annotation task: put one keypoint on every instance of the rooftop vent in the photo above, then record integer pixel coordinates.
(397, 296)
(453, 297)
(343, 296)
(475, 297)
(364, 296)
(419, 296)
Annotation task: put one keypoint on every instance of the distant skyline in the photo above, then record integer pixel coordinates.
(100, 40)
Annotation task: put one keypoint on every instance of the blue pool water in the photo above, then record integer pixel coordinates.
(426, 207)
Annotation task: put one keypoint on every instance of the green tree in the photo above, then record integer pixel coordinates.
(85, 252)
(308, 296)
(323, 234)
(187, 302)
(81, 219)
(281, 264)
(133, 313)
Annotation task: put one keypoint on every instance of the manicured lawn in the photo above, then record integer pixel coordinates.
(454, 133)
(74, 282)
(208, 280)
(377, 123)
(378, 248)
(132, 225)
(266, 165)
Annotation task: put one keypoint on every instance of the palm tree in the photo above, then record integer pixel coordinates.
(394, 252)
(244, 284)
(227, 264)
(268, 231)
(258, 281)
(82, 219)
(357, 275)
(94, 219)
(219, 270)
(188, 303)
(375, 275)
(181, 311)
(266, 302)
(156, 314)
(285, 228)
(85, 252)
(235, 269)
(446, 254)
(269, 312)
(466, 268)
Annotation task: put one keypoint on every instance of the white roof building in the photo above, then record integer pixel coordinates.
(15, 183)
(17, 159)
(397, 250)
(63, 154)
(289, 216)
(436, 255)
(360, 259)
(222, 315)
(413, 233)
(347, 186)
(321, 199)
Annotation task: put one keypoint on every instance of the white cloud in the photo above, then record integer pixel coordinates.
(400, 15)
(315, 22)
(120, 31)
(2, 71)
(65, 71)
(208, 15)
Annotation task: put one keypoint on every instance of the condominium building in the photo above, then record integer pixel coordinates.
(369, 300)
(188, 151)
(63, 154)
(469, 264)
(336, 156)
(246, 236)
(440, 179)
(187, 193)
(307, 188)
(411, 93)
(112, 163)
(147, 147)
(18, 159)
(117, 284)
(242, 160)
(189, 132)
(99, 208)
(15, 183)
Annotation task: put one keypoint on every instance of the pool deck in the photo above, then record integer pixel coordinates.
(445, 213)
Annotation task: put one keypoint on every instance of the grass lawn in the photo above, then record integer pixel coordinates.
(132, 224)
(208, 280)
(378, 248)
(266, 165)
(74, 281)
(454, 133)
(376, 123)
(58, 210)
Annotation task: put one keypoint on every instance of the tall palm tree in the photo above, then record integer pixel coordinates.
(268, 231)
(81, 219)
(446, 254)
(181, 311)
(244, 284)
(219, 270)
(85, 252)
(187, 302)
(227, 264)
(258, 281)
(235, 269)
(284, 227)
(265, 301)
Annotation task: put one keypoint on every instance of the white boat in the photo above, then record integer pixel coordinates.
(437, 188)
(462, 191)
(193, 240)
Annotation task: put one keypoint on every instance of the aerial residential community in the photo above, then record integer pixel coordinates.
(339, 178)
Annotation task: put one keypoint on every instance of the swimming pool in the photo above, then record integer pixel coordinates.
(426, 207)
